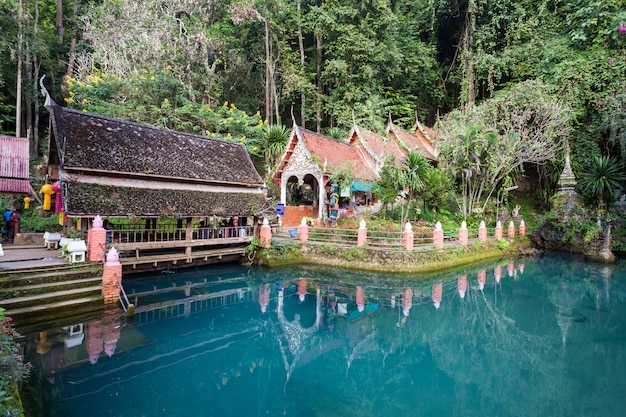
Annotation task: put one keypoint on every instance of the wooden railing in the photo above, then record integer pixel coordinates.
(176, 234)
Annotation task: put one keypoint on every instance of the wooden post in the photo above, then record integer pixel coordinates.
(511, 231)
(499, 230)
(303, 231)
(438, 236)
(362, 236)
(482, 232)
(408, 237)
(97, 238)
(463, 234)
(265, 235)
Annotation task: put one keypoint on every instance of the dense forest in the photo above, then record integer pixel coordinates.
(506, 83)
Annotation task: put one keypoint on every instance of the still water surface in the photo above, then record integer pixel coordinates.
(538, 337)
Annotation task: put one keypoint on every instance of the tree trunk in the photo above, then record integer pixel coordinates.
(318, 100)
(268, 94)
(18, 94)
(73, 41)
(301, 45)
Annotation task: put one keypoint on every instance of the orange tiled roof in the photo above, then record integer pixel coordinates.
(379, 148)
(415, 141)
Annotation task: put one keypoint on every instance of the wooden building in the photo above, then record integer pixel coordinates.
(14, 165)
(123, 170)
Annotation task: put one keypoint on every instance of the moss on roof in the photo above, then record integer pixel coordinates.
(83, 199)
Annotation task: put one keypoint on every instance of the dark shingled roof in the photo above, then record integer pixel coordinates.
(112, 167)
(88, 141)
(87, 199)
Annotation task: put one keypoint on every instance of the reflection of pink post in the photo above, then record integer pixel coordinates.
(407, 301)
(482, 232)
(112, 271)
(95, 341)
(437, 294)
(497, 272)
(264, 296)
(265, 235)
(522, 228)
(482, 278)
(510, 268)
(97, 238)
(438, 236)
(521, 267)
(302, 289)
(303, 231)
(499, 230)
(408, 236)
(463, 234)
(511, 231)
(360, 299)
(462, 286)
(362, 234)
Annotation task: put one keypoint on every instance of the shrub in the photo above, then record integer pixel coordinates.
(13, 370)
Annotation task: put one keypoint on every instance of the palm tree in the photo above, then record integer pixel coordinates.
(600, 182)
(275, 139)
(412, 176)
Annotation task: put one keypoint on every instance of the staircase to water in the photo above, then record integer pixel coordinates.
(51, 294)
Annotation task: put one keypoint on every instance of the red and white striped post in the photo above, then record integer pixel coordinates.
(362, 234)
(265, 235)
(112, 267)
(511, 231)
(303, 231)
(438, 236)
(463, 234)
(522, 228)
(482, 232)
(408, 236)
(96, 240)
(499, 230)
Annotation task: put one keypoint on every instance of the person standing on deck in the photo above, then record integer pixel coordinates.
(333, 205)
(14, 226)
(7, 219)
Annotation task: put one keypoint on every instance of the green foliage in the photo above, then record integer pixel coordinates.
(13, 370)
(602, 180)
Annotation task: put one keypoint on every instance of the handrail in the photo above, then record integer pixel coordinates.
(119, 289)
(103, 256)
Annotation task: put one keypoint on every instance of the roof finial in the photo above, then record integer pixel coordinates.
(45, 93)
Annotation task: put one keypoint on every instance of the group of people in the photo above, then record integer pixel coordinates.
(12, 222)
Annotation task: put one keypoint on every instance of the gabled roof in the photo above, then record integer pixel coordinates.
(14, 164)
(377, 147)
(418, 140)
(330, 153)
(114, 167)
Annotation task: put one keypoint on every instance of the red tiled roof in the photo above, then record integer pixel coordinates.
(415, 141)
(380, 148)
(334, 154)
(14, 163)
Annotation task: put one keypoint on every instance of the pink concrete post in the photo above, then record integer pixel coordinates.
(438, 236)
(522, 228)
(97, 239)
(511, 231)
(303, 231)
(482, 232)
(112, 267)
(499, 230)
(408, 236)
(463, 234)
(362, 236)
(265, 234)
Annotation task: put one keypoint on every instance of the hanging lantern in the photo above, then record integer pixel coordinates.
(56, 187)
(47, 192)
(27, 201)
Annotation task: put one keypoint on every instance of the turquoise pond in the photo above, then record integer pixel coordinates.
(534, 337)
